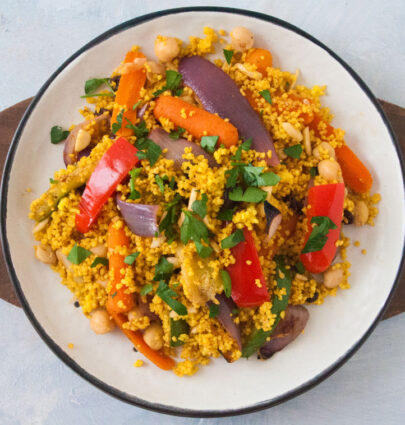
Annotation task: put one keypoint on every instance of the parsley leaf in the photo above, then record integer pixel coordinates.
(227, 282)
(129, 259)
(172, 210)
(167, 295)
(134, 173)
(146, 289)
(152, 150)
(246, 144)
(52, 181)
(78, 254)
(214, 310)
(163, 269)
(99, 260)
(135, 105)
(266, 95)
(226, 214)
(118, 124)
(58, 134)
(177, 328)
(228, 55)
(173, 83)
(200, 206)
(159, 182)
(90, 86)
(233, 239)
(293, 151)
(177, 133)
(140, 130)
(193, 229)
(208, 143)
(203, 250)
(259, 337)
(232, 177)
(313, 171)
(299, 267)
(318, 237)
(268, 179)
(251, 194)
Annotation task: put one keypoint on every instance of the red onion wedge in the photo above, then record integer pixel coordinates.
(140, 218)
(70, 156)
(273, 218)
(175, 148)
(295, 319)
(226, 305)
(219, 94)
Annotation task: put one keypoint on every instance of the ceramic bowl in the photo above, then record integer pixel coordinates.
(335, 330)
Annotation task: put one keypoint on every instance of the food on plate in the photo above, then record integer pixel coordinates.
(203, 202)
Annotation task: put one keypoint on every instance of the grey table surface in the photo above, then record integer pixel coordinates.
(36, 388)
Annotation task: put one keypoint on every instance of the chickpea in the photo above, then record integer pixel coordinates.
(329, 170)
(153, 336)
(360, 213)
(242, 39)
(333, 278)
(324, 147)
(101, 323)
(45, 254)
(166, 49)
(156, 68)
(134, 314)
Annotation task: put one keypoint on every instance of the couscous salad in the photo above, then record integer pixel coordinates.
(203, 202)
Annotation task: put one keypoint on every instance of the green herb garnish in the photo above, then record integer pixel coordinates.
(313, 171)
(99, 260)
(90, 86)
(200, 206)
(203, 250)
(293, 151)
(177, 328)
(193, 229)
(159, 182)
(208, 143)
(163, 269)
(118, 124)
(172, 210)
(134, 173)
(129, 259)
(266, 95)
(228, 55)
(299, 267)
(136, 105)
(177, 133)
(233, 239)
(173, 83)
(251, 194)
(146, 289)
(227, 282)
(226, 214)
(58, 134)
(167, 295)
(318, 237)
(52, 181)
(78, 254)
(214, 310)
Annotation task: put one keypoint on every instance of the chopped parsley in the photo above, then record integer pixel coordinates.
(172, 210)
(266, 95)
(313, 171)
(208, 143)
(318, 237)
(136, 105)
(163, 269)
(177, 328)
(134, 173)
(52, 181)
(118, 124)
(228, 55)
(146, 289)
(293, 151)
(193, 229)
(90, 86)
(214, 310)
(226, 214)
(233, 239)
(251, 194)
(78, 254)
(203, 250)
(159, 182)
(173, 83)
(175, 134)
(58, 134)
(99, 260)
(200, 206)
(168, 296)
(299, 267)
(129, 259)
(227, 282)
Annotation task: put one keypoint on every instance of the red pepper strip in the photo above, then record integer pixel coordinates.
(112, 168)
(248, 283)
(324, 200)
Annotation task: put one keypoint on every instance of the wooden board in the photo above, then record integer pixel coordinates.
(10, 118)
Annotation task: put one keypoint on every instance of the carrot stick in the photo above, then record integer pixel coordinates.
(321, 126)
(261, 58)
(128, 94)
(119, 300)
(196, 121)
(157, 357)
(355, 173)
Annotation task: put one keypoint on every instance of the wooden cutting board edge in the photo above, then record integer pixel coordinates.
(10, 117)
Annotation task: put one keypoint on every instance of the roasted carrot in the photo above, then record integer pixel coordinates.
(355, 173)
(294, 103)
(196, 121)
(261, 58)
(321, 126)
(251, 99)
(157, 357)
(119, 300)
(128, 94)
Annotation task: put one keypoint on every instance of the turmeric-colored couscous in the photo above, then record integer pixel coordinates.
(202, 203)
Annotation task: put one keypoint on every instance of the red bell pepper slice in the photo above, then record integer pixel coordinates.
(324, 200)
(113, 167)
(246, 273)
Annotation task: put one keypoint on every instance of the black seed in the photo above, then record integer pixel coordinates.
(102, 111)
(135, 349)
(313, 298)
(116, 80)
(295, 204)
(76, 304)
(347, 217)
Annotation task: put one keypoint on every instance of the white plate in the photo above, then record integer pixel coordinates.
(335, 330)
